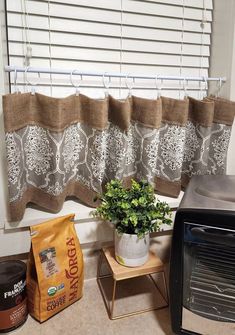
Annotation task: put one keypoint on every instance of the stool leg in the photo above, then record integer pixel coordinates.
(164, 295)
(113, 298)
(99, 264)
(165, 287)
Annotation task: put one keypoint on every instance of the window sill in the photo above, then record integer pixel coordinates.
(82, 213)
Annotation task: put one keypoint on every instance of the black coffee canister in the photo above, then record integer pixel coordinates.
(13, 300)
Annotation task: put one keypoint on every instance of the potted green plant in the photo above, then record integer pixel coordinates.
(135, 213)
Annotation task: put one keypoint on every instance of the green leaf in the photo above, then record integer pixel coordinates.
(133, 219)
(142, 201)
(135, 202)
(125, 205)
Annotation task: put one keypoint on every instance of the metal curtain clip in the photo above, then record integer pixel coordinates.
(28, 82)
(73, 84)
(106, 84)
(130, 85)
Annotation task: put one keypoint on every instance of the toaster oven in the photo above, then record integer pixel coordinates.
(202, 269)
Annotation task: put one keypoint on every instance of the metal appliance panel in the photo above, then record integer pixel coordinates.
(208, 280)
(200, 325)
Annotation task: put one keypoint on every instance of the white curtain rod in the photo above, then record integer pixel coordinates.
(30, 69)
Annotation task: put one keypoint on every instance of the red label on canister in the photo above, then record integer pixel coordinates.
(13, 317)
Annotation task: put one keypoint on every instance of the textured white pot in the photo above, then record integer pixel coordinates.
(130, 250)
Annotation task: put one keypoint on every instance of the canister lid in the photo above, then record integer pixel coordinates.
(11, 270)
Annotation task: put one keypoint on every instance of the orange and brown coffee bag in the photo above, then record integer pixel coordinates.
(55, 271)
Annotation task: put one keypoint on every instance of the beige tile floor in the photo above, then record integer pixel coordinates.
(89, 317)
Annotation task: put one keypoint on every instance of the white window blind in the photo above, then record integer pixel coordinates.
(131, 36)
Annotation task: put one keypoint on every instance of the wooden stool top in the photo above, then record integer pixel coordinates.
(154, 264)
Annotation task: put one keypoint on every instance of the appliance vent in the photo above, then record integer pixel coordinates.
(212, 282)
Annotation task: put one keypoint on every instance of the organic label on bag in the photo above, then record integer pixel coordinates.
(52, 291)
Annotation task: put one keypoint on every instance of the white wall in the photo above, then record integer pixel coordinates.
(223, 59)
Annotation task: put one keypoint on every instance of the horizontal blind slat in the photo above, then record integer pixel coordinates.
(87, 64)
(174, 36)
(187, 3)
(132, 20)
(143, 47)
(116, 5)
(68, 40)
(76, 9)
(103, 56)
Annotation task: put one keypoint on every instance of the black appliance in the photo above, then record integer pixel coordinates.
(202, 269)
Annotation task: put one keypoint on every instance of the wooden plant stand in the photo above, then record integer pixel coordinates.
(120, 272)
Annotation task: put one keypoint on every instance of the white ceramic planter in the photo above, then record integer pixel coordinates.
(130, 250)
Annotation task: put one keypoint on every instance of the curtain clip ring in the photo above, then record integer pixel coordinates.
(76, 86)
(130, 85)
(106, 83)
(28, 82)
(219, 86)
(185, 84)
(16, 88)
(158, 86)
(206, 84)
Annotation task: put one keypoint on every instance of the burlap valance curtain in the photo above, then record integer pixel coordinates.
(72, 146)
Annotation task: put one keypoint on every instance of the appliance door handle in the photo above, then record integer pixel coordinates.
(203, 234)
